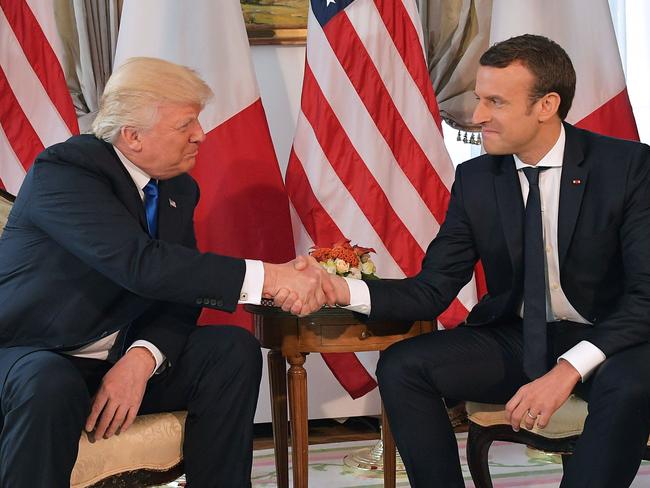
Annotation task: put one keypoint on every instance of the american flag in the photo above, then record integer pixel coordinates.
(35, 106)
(368, 161)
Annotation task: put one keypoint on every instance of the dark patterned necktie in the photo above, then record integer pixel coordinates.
(151, 206)
(535, 337)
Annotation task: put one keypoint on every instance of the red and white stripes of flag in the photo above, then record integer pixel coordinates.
(368, 161)
(35, 108)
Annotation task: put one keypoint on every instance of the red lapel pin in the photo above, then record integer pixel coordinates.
(576, 182)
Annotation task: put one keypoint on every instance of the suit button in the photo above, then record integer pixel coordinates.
(213, 302)
(199, 301)
(219, 303)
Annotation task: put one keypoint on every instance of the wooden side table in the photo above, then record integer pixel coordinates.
(292, 338)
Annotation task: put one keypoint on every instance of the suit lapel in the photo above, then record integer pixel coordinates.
(572, 188)
(172, 209)
(131, 197)
(126, 190)
(511, 210)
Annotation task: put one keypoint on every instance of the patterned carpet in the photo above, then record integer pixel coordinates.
(509, 464)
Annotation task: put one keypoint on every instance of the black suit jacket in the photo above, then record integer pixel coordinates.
(603, 242)
(77, 264)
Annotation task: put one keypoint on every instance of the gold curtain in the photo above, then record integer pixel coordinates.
(458, 33)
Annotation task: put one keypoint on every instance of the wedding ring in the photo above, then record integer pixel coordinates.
(531, 416)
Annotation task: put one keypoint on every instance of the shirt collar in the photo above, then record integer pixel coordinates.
(139, 177)
(552, 159)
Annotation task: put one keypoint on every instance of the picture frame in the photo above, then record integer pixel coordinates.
(276, 21)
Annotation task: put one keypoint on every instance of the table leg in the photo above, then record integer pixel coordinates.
(278, 384)
(298, 408)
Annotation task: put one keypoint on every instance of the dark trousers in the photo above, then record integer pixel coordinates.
(484, 364)
(47, 398)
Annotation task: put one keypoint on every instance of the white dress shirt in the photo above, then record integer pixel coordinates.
(251, 291)
(584, 356)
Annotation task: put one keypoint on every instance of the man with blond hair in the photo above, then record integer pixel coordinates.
(101, 285)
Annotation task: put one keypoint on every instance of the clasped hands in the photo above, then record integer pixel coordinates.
(302, 286)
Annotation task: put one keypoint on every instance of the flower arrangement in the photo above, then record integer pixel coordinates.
(343, 259)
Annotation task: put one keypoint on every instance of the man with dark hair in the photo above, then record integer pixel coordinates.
(549, 64)
(560, 218)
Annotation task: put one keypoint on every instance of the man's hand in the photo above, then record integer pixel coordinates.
(284, 298)
(300, 286)
(118, 400)
(537, 401)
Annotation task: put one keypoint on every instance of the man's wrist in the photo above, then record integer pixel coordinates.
(342, 291)
(568, 370)
(146, 357)
(270, 277)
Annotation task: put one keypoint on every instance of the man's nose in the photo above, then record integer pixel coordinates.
(198, 135)
(480, 114)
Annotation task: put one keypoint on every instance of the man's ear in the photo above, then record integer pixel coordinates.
(549, 105)
(132, 138)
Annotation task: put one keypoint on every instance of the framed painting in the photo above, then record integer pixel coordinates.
(276, 21)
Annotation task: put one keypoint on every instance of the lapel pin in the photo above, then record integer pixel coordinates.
(172, 203)
(574, 182)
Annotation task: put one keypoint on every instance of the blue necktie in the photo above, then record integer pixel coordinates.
(151, 206)
(534, 327)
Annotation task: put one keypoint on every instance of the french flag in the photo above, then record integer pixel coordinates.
(601, 103)
(244, 209)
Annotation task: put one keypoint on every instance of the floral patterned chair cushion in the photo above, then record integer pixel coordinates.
(149, 452)
(6, 201)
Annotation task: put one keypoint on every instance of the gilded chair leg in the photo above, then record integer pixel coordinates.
(479, 441)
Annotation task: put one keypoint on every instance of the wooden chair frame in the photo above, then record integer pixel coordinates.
(479, 440)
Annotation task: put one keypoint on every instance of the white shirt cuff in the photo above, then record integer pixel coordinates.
(359, 296)
(251, 289)
(584, 357)
(157, 355)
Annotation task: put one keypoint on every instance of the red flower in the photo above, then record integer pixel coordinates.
(340, 250)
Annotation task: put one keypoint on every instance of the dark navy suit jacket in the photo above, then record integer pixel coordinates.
(77, 264)
(603, 242)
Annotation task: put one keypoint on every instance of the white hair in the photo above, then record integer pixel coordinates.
(138, 87)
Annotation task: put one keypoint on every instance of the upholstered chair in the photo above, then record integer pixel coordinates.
(487, 423)
(150, 452)
(6, 201)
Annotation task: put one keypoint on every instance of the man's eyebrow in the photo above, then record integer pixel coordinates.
(185, 121)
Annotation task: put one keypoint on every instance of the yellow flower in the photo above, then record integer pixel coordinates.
(329, 266)
(368, 267)
(342, 266)
(355, 273)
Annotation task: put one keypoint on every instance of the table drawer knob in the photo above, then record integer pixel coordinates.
(365, 334)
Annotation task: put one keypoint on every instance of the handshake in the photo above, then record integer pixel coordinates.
(302, 286)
